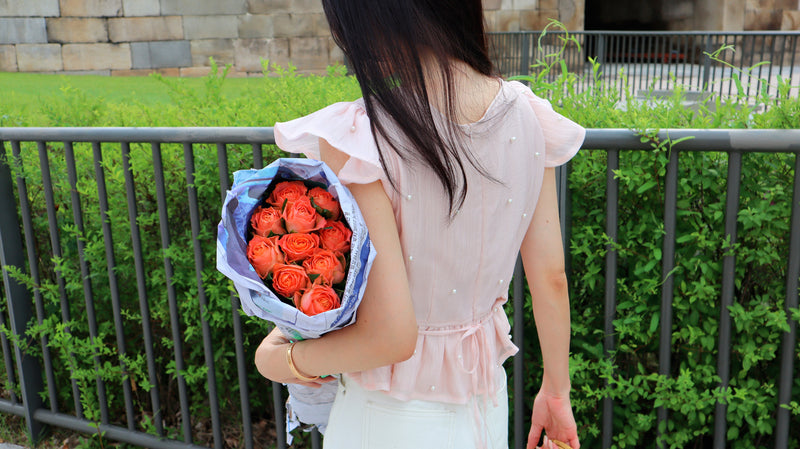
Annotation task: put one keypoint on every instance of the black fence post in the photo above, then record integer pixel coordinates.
(706, 76)
(19, 300)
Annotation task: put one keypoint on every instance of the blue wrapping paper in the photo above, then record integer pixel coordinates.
(310, 407)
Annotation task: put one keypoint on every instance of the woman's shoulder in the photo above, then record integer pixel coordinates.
(562, 136)
(346, 127)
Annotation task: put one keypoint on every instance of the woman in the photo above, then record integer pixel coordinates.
(452, 168)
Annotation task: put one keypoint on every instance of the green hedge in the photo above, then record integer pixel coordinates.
(690, 393)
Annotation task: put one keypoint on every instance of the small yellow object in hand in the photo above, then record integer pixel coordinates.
(561, 444)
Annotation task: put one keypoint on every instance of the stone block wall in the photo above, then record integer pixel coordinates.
(528, 15)
(732, 15)
(177, 37)
(772, 15)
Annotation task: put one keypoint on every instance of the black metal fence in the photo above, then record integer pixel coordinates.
(113, 173)
(637, 61)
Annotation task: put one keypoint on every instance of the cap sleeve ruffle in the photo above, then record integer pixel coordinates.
(346, 127)
(562, 136)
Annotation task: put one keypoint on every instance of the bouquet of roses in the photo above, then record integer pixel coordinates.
(296, 247)
(299, 244)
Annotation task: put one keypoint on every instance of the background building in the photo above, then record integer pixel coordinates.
(177, 37)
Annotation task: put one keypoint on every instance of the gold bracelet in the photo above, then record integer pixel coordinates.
(293, 368)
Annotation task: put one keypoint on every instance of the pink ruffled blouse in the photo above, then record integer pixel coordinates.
(458, 271)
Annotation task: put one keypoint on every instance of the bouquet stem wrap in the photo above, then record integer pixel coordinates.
(306, 405)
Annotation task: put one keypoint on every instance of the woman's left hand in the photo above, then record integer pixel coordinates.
(271, 361)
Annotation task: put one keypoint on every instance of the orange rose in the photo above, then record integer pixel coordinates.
(289, 279)
(323, 200)
(263, 253)
(266, 220)
(327, 264)
(301, 216)
(298, 246)
(288, 192)
(317, 299)
(335, 236)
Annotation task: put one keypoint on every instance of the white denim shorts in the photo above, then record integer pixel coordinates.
(362, 419)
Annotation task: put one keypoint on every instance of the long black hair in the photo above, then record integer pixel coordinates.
(384, 41)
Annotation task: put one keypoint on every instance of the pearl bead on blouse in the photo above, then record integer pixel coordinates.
(353, 129)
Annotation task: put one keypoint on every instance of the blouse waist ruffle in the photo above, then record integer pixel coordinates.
(450, 364)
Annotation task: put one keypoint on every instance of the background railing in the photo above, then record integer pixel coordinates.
(636, 61)
(39, 397)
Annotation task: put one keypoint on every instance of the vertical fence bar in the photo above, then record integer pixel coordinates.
(612, 209)
(11, 375)
(667, 266)
(518, 335)
(600, 41)
(241, 365)
(789, 338)
(141, 289)
(194, 214)
(772, 62)
(55, 244)
(793, 52)
(47, 185)
(77, 217)
(706, 72)
(691, 55)
(728, 287)
(664, 78)
(649, 64)
(108, 239)
(258, 158)
(525, 55)
(19, 301)
(177, 341)
(91, 316)
(280, 416)
(30, 244)
(316, 441)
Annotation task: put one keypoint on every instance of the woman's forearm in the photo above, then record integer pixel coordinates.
(543, 258)
(552, 315)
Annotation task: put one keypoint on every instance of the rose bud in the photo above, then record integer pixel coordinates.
(317, 299)
(301, 216)
(298, 246)
(266, 221)
(263, 253)
(328, 265)
(287, 192)
(324, 202)
(335, 236)
(289, 279)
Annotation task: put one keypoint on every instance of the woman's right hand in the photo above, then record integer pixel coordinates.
(553, 414)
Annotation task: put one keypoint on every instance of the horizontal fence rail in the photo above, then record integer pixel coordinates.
(635, 62)
(127, 165)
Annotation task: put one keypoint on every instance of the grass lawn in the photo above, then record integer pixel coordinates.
(91, 100)
(30, 88)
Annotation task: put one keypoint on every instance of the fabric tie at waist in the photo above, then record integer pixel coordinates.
(471, 337)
